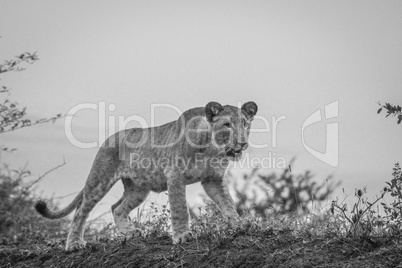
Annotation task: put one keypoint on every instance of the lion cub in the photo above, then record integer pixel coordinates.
(196, 147)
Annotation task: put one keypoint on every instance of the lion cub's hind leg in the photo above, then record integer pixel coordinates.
(100, 180)
(91, 197)
(131, 199)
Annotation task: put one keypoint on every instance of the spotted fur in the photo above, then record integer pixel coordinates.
(195, 148)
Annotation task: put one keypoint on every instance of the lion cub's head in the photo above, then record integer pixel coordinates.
(230, 127)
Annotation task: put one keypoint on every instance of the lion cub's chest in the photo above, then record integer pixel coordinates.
(196, 171)
(154, 177)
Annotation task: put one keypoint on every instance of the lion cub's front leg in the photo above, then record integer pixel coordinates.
(217, 190)
(178, 208)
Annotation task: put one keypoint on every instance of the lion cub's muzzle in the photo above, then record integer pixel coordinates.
(236, 150)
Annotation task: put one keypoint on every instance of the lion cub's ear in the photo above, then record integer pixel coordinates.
(212, 109)
(250, 109)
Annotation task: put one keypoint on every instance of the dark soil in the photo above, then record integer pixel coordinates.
(261, 249)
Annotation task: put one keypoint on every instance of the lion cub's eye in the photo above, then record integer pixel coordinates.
(246, 125)
(227, 125)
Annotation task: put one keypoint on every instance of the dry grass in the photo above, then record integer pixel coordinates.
(338, 236)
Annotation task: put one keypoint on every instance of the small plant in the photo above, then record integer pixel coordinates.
(158, 220)
(362, 218)
(393, 211)
(153, 220)
(395, 110)
(208, 221)
(209, 224)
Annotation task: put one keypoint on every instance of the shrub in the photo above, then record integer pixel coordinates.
(364, 219)
(393, 211)
(19, 220)
(264, 195)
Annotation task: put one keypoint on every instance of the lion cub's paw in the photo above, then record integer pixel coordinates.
(75, 245)
(183, 238)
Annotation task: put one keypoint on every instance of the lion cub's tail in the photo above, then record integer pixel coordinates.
(43, 210)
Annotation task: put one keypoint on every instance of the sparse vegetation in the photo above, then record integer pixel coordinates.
(264, 195)
(18, 220)
(12, 117)
(327, 239)
(336, 236)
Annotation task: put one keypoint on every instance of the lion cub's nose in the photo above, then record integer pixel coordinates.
(243, 145)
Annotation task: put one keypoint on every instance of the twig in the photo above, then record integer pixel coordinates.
(372, 204)
(343, 212)
(24, 193)
(40, 121)
(100, 216)
(64, 196)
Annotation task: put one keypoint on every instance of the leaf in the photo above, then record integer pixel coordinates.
(379, 110)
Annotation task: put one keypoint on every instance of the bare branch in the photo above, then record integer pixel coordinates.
(26, 190)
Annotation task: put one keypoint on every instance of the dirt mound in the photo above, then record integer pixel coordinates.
(263, 249)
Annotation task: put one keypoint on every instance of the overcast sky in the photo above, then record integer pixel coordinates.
(291, 57)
